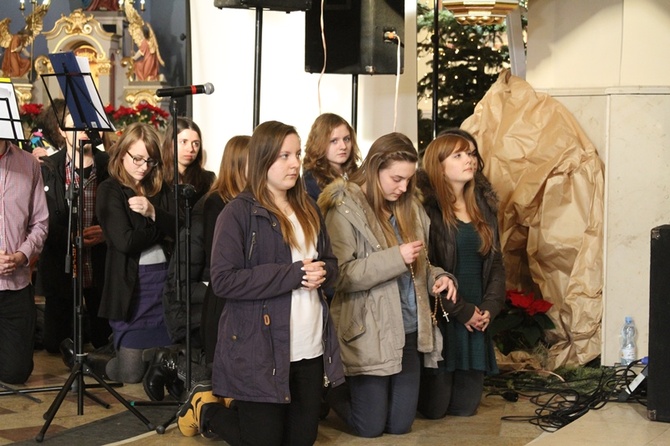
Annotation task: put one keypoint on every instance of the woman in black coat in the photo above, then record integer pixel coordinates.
(136, 212)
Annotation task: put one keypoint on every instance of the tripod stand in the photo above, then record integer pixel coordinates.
(85, 115)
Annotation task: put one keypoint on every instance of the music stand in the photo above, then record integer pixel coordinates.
(10, 119)
(88, 114)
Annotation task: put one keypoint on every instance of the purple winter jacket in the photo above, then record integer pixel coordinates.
(251, 267)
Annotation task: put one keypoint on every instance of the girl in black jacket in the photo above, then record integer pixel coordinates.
(464, 241)
(136, 212)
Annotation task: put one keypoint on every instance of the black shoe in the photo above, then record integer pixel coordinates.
(162, 373)
(67, 351)
(97, 362)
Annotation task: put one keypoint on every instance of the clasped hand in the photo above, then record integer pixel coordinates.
(9, 262)
(93, 236)
(142, 206)
(315, 274)
(479, 321)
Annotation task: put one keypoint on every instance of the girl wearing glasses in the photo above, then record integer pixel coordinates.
(136, 212)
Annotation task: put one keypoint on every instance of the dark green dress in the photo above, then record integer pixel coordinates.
(464, 350)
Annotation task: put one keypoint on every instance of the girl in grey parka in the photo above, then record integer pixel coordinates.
(381, 305)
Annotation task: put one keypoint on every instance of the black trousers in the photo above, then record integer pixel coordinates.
(17, 331)
(267, 424)
(59, 318)
(455, 393)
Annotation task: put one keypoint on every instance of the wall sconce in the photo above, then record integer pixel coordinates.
(22, 4)
(480, 12)
(141, 4)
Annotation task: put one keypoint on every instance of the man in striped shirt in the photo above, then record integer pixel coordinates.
(24, 221)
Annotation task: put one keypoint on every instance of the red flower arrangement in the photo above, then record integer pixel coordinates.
(28, 114)
(144, 112)
(521, 325)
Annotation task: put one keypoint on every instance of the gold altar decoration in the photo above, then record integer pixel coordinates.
(82, 34)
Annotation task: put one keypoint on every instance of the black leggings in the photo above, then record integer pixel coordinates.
(296, 423)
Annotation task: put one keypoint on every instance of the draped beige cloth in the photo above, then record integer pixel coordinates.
(550, 181)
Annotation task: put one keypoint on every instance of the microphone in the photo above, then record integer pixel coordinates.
(177, 92)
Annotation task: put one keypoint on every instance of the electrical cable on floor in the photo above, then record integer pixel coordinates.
(562, 401)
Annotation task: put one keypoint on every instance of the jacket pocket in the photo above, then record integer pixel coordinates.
(354, 327)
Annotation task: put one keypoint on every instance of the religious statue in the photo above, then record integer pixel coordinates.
(147, 59)
(100, 5)
(13, 62)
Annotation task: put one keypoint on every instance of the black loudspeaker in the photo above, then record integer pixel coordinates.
(274, 5)
(658, 381)
(358, 36)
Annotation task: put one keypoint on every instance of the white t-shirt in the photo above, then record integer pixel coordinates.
(306, 309)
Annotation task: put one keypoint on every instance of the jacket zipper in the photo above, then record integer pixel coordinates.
(253, 243)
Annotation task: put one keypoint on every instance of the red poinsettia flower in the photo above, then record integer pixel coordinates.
(28, 114)
(30, 109)
(539, 306)
(143, 112)
(519, 299)
(522, 323)
(528, 302)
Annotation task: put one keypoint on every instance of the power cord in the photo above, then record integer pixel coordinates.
(562, 401)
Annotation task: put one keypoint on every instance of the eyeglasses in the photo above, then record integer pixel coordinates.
(139, 161)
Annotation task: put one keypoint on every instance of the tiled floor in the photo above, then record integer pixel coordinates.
(22, 418)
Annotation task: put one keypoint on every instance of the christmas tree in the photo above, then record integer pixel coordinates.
(470, 59)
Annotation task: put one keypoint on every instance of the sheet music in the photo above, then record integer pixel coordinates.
(79, 91)
(10, 118)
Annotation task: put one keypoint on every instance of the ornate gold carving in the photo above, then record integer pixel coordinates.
(43, 65)
(134, 98)
(77, 22)
(24, 92)
(127, 63)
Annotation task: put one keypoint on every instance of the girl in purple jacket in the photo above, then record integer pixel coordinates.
(276, 348)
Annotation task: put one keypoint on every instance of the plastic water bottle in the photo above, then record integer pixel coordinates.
(628, 350)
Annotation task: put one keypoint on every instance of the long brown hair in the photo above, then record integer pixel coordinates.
(264, 148)
(385, 151)
(232, 177)
(317, 145)
(194, 174)
(437, 151)
(151, 184)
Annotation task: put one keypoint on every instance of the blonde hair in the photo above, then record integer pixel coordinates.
(232, 177)
(386, 150)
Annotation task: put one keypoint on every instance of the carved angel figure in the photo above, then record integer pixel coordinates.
(147, 58)
(13, 64)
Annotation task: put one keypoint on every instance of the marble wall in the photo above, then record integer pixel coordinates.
(617, 85)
